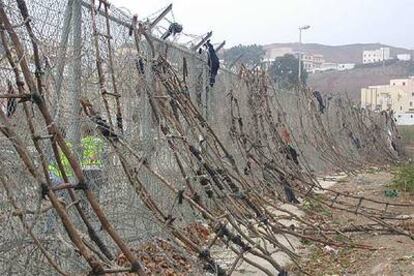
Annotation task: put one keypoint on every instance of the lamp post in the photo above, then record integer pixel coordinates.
(305, 27)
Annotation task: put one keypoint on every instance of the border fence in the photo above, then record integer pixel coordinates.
(119, 157)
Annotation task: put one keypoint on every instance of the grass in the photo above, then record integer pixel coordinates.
(404, 178)
(316, 207)
(319, 262)
(404, 174)
(407, 134)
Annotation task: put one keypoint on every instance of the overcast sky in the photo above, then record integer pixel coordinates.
(333, 22)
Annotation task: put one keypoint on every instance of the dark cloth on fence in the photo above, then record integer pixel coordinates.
(293, 155)
(105, 129)
(173, 29)
(273, 176)
(213, 62)
(290, 195)
(318, 97)
(11, 106)
(355, 140)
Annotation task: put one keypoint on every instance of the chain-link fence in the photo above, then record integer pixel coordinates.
(157, 152)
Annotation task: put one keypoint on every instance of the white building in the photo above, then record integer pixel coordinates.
(328, 66)
(404, 57)
(378, 55)
(404, 119)
(346, 66)
(311, 63)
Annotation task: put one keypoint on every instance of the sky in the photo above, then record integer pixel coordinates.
(333, 22)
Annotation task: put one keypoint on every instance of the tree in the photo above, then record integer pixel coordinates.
(249, 55)
(284, 71)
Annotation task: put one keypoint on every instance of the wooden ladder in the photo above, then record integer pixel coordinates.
(107, 37)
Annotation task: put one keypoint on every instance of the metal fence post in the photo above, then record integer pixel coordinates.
(74, 108)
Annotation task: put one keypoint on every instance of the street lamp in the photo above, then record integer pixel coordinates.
(305, 27)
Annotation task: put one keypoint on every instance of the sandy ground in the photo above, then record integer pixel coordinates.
(390, 254)
(227, 257)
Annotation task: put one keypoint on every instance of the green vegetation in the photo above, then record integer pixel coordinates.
(407, 134)
(321, 262)
(407, 139)
(92, 149)
(411, 68)
(284, 71)
(313, 205)
(404, 178)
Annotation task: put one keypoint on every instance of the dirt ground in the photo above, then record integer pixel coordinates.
(390, 254)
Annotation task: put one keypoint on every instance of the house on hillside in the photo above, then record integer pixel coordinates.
(326, 66)
(404, 57)
(346, 66)
(377, 55)
(397, 96)
(312, 62)
(332, 66)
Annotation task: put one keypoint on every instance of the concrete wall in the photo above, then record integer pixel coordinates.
(404, 119)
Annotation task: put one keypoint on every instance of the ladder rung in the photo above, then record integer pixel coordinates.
(111, 94)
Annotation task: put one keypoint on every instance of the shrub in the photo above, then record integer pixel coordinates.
(404, 178)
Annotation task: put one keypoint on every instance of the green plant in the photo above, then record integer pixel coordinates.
(284, 71)
(404, 178)
(315, 206)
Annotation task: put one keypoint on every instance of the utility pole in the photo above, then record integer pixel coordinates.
(305, 27)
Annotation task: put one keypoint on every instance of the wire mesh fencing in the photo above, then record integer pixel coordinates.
(118, 154)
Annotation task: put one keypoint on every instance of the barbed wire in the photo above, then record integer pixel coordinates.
(167, 152)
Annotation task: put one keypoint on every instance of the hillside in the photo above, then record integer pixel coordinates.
(351, 53)
(351, 81)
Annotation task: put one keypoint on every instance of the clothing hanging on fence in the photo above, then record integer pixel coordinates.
(290, 195)
(285, 135)
(271, 175)
(140, 65)
(318, 97)
(213, 62)
(11, 106)
(173, 29)
(355, 140)
(292, 154)
(104, 128)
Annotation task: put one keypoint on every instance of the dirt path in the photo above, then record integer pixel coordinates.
(391, 254)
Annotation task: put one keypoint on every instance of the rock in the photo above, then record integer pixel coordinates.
(330, 249)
